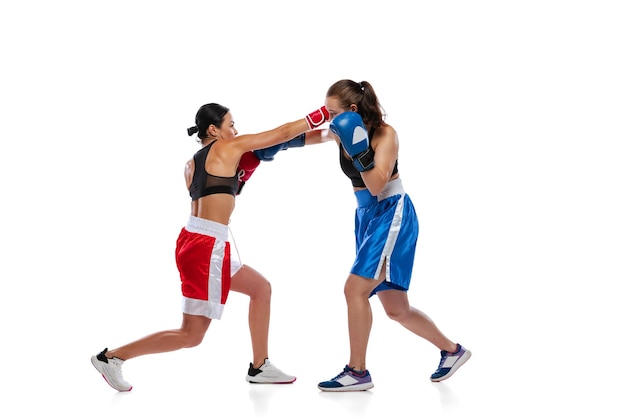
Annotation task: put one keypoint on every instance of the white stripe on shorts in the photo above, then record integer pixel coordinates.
(392, 237)
(215, 273)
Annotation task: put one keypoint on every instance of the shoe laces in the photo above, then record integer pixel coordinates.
(117, 366)
(444, 356)
(268, 366)
(345, 371)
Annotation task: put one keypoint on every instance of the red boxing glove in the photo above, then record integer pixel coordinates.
(247, 164)
(318, 117)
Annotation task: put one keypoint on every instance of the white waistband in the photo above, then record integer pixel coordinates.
(392, 188)
(207, 227)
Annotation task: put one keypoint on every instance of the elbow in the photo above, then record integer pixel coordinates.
(375, 181)
(284, 133)
(289, 130)
(375, 187)
(375, 191)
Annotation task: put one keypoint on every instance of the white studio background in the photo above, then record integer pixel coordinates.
(511, 117)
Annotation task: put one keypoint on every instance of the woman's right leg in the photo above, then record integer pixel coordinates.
(396, 305)
(190, 334)
(109, 363)
(453, 355)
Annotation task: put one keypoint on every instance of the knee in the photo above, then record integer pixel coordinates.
(252, 283)
(348, 290)
(267, 289)
(193, 339)
(263, 291)
(396, 314)
(354, 289)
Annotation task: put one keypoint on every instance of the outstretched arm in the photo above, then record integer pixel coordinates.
(239, 152)
(316, 136)
(282, 133)
(319, 136)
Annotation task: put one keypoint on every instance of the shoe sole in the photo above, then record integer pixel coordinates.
(351, 388)
(98, 365)
(268, 381)
(454, 368)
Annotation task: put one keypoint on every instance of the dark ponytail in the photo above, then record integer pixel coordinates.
(192, 130)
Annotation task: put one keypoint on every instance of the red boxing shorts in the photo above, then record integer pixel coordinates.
(203, 260)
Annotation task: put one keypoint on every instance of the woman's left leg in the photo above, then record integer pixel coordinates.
(396, 305)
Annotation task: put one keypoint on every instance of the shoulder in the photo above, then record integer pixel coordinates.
(386, 130)
(227, 148)
(189, 165)
(384, 134)
(189, 171)
(224, 157)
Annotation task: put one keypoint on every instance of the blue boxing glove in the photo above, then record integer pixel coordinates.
(349, 127)
(267, 154)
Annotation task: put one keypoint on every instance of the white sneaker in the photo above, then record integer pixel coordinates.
(111, 370)
(268, 373)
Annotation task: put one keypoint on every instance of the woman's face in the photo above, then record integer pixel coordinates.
(334, 106)
(227, 129)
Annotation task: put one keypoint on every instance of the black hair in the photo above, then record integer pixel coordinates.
(208, 114)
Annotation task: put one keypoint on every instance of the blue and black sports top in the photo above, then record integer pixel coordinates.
(351, 172)
(204, 184)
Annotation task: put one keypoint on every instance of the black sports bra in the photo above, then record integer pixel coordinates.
(352, 173)
(204, 184)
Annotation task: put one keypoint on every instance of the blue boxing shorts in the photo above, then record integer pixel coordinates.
(386, 230)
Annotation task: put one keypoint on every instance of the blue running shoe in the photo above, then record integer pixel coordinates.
(349, 380)
(450, 363)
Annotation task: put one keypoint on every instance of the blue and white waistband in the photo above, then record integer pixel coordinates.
(207, 227)
(365, 198)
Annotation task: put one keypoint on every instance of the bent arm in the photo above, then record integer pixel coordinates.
(385, 157)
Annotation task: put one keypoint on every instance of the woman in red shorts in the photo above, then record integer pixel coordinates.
(214, 177)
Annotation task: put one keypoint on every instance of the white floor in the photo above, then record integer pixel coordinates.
(515, 371)
(190, 386)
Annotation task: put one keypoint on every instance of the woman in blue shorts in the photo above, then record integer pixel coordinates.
(386, 230)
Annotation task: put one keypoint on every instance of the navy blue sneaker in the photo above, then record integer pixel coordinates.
(450, 363)
(349, 380)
